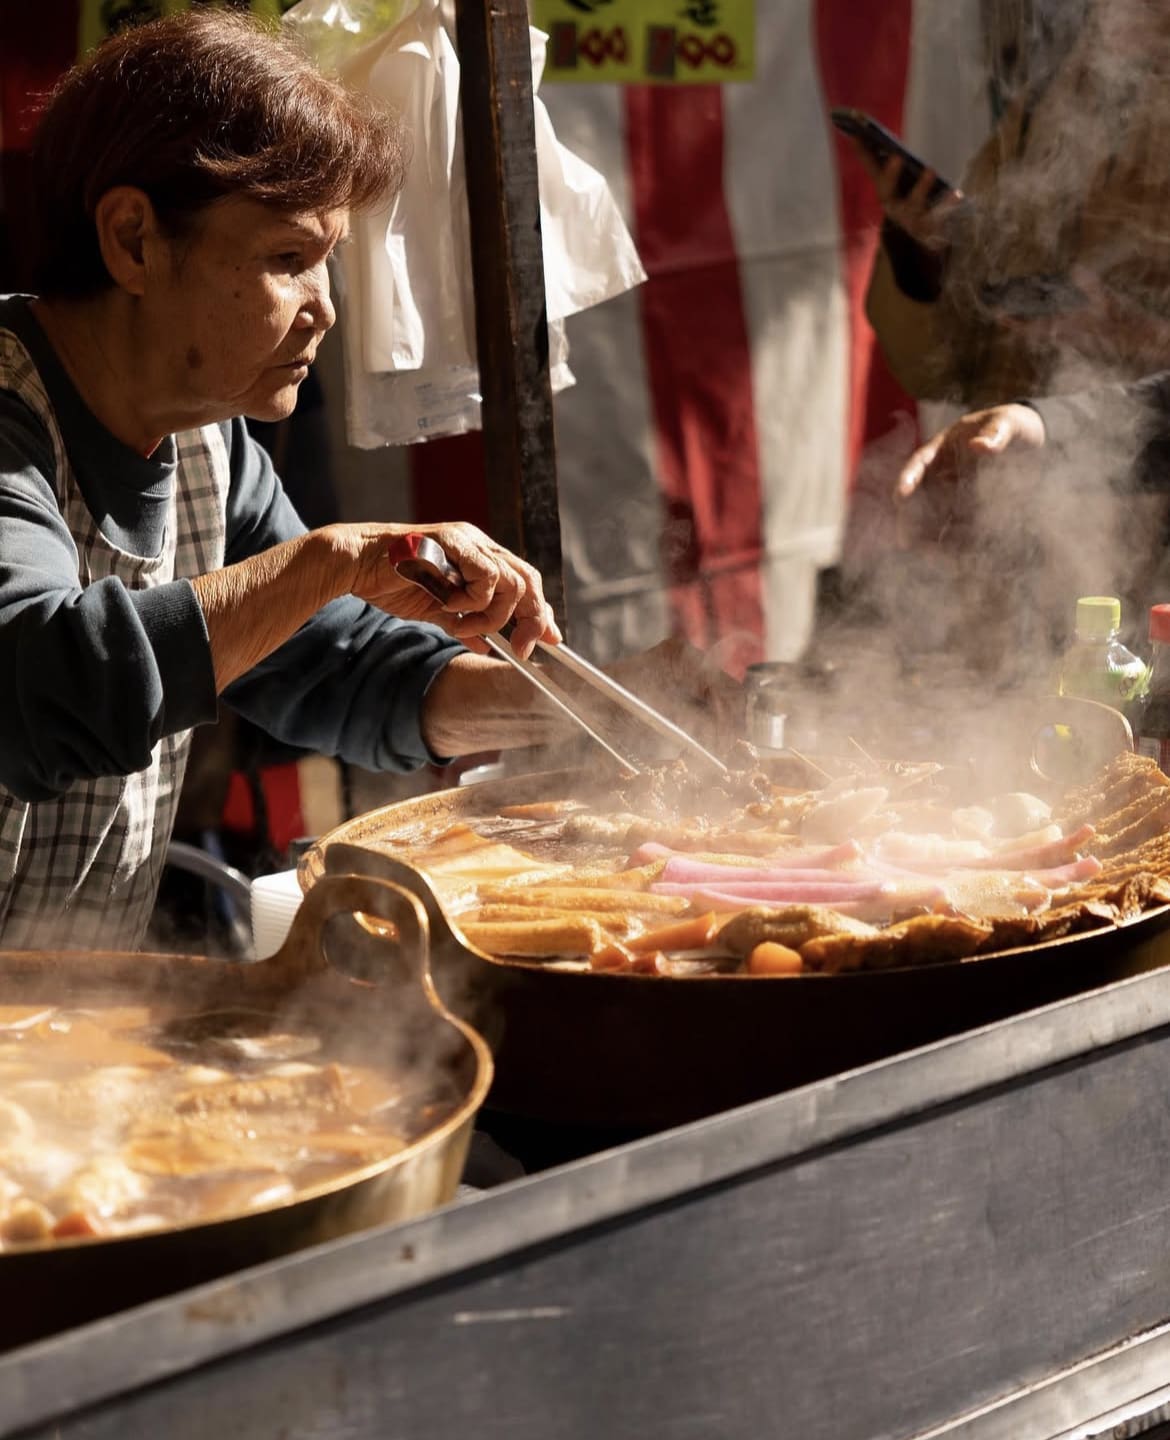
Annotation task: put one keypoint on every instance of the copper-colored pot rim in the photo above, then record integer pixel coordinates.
(433, 1139)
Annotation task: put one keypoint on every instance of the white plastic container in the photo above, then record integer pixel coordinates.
(275, 900)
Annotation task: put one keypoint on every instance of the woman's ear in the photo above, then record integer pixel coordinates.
(125, 223)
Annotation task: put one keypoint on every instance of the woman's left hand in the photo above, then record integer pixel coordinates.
(497, 585)
(478, 704)
(954, 454)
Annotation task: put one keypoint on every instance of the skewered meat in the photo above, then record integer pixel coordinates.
(840, 815)
(676, 789)
(600, 829)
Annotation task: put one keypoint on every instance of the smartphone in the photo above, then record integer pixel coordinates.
(882, 144)
(1027, 297)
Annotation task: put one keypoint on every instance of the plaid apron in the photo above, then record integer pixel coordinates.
(82, 870)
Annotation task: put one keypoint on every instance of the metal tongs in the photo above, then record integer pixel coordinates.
(424, 562)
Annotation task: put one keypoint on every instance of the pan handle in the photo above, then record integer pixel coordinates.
(394, 955)
(453, 961)
(363, 951)
(342, 858)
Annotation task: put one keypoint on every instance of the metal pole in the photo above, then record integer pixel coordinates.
(499, 142)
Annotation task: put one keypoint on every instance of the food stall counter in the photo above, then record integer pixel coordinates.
(965, 1240)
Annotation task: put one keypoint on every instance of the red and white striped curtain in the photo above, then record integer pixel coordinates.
(723, 410)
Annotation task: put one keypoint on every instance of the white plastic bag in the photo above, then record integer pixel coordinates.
(404, 406)
(589, 255)
(405, 282)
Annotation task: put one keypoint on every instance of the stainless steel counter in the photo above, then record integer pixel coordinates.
(969, 1240)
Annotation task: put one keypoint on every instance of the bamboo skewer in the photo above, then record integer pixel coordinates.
(865, 755)
(812, 765)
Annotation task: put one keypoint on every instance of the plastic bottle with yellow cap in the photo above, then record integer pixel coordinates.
(1097, 666)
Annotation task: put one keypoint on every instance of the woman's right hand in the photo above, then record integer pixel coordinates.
(925, 221)
(497, 585)
(477, 703)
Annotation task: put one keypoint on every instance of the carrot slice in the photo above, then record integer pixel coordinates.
(642, 953)
(613, 957)
(691, 934)
(77, 1222)
(772, 958)
(648, 962)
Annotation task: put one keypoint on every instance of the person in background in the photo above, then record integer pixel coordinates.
(1051, 266)
(191, 179)
(1047, 273)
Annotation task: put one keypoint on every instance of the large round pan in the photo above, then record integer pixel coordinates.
(390, 1019)
(639, 1053)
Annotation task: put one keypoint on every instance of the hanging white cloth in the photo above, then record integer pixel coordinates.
(405, 277)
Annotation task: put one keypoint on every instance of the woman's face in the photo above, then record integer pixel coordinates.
(235, 309)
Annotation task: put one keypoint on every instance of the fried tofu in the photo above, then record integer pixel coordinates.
(921, 940)
(791, 925)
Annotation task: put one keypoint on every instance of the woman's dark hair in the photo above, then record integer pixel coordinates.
(191, 109)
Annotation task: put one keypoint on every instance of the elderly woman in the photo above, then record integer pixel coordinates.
(192, 178)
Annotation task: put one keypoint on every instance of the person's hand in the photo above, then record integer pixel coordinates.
(482, 704)
(497, 585)
(924, 221)
(955, 453)
(478, 703)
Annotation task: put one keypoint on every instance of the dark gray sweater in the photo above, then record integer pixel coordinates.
(93, 677)
(1131, 422)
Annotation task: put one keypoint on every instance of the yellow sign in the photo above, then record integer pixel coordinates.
(656, 42)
